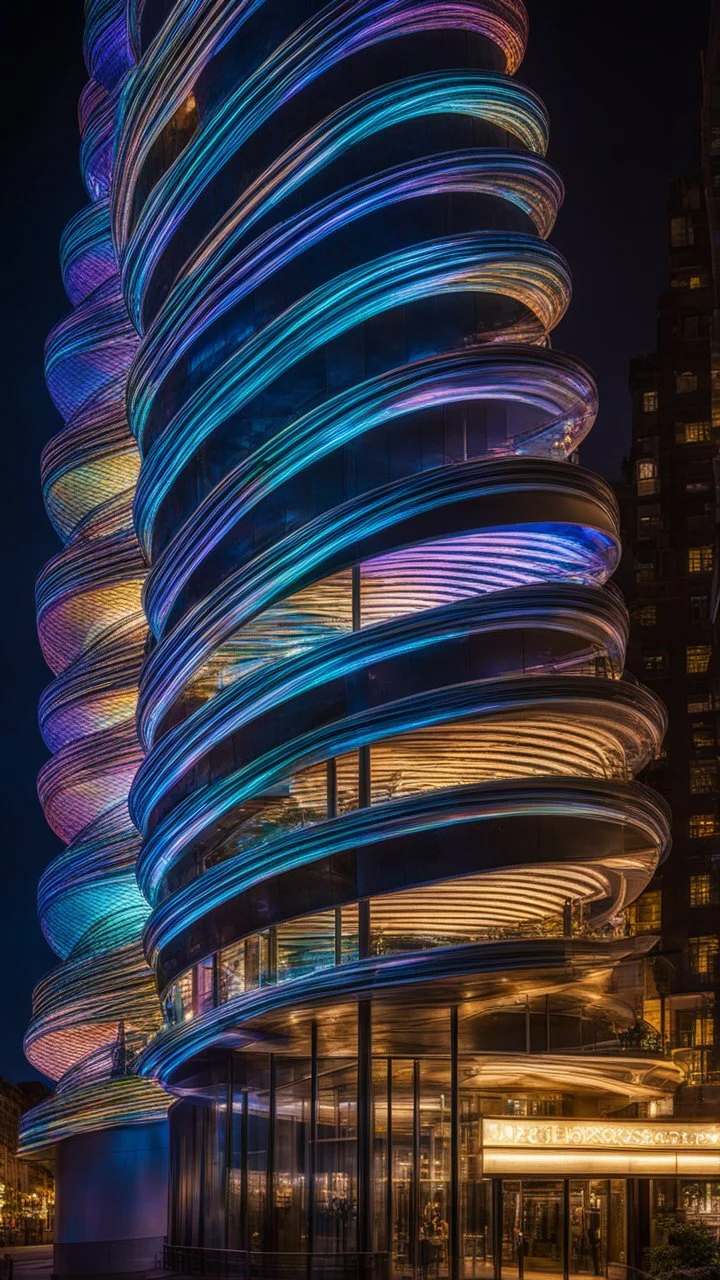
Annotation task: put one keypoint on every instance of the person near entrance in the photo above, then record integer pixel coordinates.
(433, 1239)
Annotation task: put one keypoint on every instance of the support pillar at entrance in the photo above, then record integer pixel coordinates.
(364, 1129)
(638, 1221)
(455, 1217)
(112, 1190)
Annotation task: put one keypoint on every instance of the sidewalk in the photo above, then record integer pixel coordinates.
(30, 1262)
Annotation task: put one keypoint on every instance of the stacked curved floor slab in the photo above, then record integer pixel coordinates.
(385, 792)
(93, 1015)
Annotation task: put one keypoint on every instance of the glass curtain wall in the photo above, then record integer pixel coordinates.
(273, 1165)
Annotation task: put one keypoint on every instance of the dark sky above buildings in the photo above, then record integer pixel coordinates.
(621, 80)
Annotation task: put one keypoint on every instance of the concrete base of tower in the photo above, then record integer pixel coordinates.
(112, 1192)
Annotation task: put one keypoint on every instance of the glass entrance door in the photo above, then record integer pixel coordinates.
(588, 1227)
(511, 1255)
(543, 1229)
(533, 1230)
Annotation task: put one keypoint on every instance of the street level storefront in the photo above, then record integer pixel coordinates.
(566, 1226)
(470, 1164)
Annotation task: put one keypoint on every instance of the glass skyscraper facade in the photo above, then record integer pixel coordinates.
(344, 754)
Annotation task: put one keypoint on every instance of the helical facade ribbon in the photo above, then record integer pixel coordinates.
(377, 591)
(386, 744)
(93, 1014)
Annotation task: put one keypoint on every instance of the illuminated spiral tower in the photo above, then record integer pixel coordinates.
(388, 817)
(93, 1014)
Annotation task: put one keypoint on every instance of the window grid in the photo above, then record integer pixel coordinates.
(701, 826)
(647, 477)
(697, 659)
(703, 776)
(701, 890)
(702, 953)
(646, 615)
(700, 559)
(699, 702)
(654, 664)
(694, 433)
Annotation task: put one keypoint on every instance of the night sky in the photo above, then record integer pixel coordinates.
(622, 84)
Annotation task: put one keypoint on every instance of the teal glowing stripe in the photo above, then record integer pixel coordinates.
(527, 270)
(558, 388)
(302, 58)
(493, 100)
(208, 289)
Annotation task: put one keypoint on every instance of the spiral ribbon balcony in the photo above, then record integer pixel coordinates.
(386, 733)
(93, 635)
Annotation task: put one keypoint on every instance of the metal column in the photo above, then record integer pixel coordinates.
(454, 1224)
(364, 1128)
